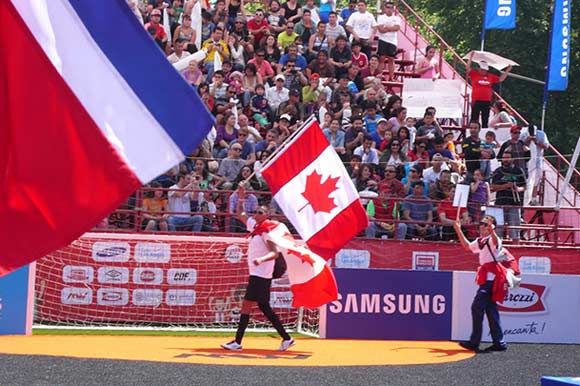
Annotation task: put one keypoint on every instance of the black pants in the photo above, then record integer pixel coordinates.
(483, 108)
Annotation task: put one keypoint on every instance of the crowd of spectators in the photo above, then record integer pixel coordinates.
(267, 72)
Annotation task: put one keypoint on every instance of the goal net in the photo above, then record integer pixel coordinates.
(138, 280)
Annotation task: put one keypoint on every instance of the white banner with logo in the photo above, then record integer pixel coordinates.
(444, 94)
(545, 309)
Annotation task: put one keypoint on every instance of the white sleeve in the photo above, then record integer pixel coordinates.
(474, 246)
(250, 224)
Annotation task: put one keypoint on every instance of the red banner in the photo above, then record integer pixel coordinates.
(165, 279)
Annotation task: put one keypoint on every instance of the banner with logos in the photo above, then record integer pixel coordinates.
(131, 278)
(545, 309)
(559, 59)
(385, 304)
(17, 301)
(500, 14)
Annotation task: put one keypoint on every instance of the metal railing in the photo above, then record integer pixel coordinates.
(130, 218)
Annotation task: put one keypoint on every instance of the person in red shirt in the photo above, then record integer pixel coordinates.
(383, 211)
(258, 27)
(481, 83)
(447, 214)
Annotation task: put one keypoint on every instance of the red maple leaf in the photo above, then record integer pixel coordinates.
(305, 257)
(318, 193)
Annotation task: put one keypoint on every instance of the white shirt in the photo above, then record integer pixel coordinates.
(372, 157)
(389, 21)
(257, 247)
(179, 204)
(362, 24)
(275, 97)
(431, 176)
(485, 255)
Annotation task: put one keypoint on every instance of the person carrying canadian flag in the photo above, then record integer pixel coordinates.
(262, 254)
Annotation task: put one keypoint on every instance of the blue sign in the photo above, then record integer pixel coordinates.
(559, 60)
(389, 304)
(560, 381)
(500, 14)
(16, 301)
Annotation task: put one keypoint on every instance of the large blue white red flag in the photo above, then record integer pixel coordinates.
(559, 60)
(91, 110)
(313, 189)
(500, 14)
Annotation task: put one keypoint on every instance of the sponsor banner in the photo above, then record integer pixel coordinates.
(545, 309)
(149, 276)
(500, 14)
(17, 301)
(76, 295)
(181, 276)
(77, 274)
(216, 284)
(180, 297)
(385, 304)
(444, 95)
(281, 299)
(149, 297)
(425, 261)
(113, 275)
(353, 258)
(107, 251)
(152, 252)
(559, 60)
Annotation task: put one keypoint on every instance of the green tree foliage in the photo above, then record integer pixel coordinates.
(460, 23)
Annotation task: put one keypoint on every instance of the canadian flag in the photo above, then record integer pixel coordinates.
(313, 189)
(311, 280)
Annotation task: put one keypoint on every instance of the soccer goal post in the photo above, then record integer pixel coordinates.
(156, 281)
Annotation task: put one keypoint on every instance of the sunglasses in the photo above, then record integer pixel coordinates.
(261, 212)
(483, 223)
(236, 149)
(390, 171)
(395, 144)
(412, 171)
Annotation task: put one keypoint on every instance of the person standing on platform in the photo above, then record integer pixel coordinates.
(262, 254)
(482, 82)
(491, 277)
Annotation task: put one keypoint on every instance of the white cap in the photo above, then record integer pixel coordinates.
(483, 65)
(279, 76)
(286, 116)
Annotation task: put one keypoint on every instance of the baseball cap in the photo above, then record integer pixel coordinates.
(294, 92)
(286, 116)
(156, 12)
(515, 128)
(279, 76)
(382, 120)
(315, 76)
(483, 65)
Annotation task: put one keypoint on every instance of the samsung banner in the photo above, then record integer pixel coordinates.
(389, 304)
(17, 301)
(500, 14)
(559, 60)
(545, 309)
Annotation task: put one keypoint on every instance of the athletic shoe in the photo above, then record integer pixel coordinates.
(469, 346)
(496, 347)
(233, 346)
(286, 344)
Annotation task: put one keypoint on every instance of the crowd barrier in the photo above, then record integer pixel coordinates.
(408, 305)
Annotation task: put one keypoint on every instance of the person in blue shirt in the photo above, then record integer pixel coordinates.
(346, 12)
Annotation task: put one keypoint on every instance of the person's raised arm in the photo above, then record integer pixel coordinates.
(468, 65)
(462, 239)
(505, 73)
